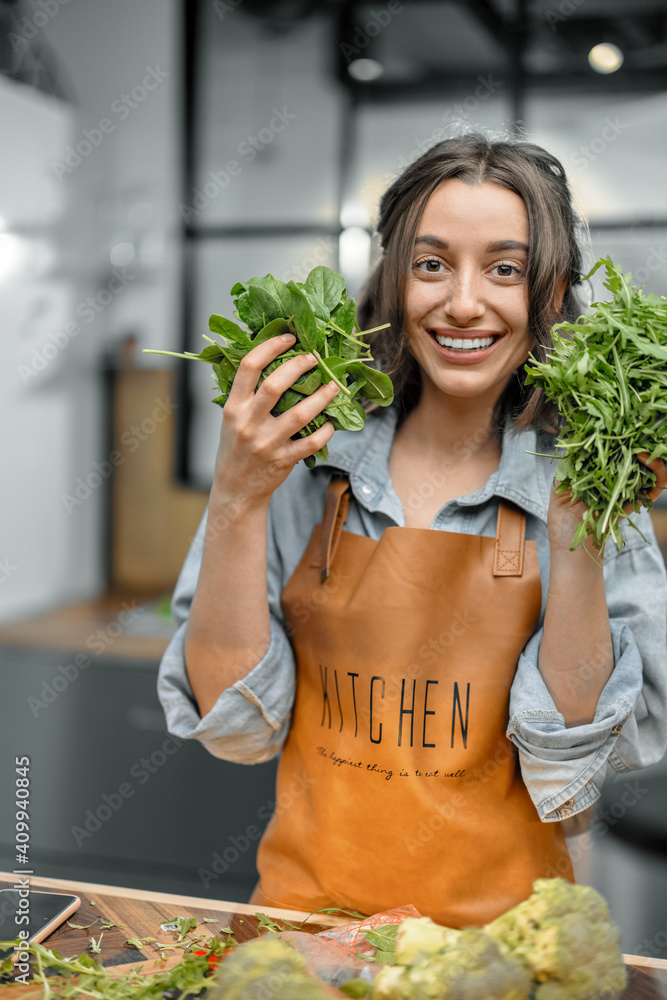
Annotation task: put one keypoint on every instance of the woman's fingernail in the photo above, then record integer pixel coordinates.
(333, 385)
(287, 336)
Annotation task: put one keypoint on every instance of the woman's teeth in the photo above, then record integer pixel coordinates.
(458, 343)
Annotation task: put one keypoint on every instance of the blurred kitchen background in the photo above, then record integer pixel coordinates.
(155, 152)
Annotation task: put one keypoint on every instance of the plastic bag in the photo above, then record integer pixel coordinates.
(350, 937)
(327, 961)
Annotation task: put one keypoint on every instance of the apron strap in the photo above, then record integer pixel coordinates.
(510, 532)
(510, 536)
(335, 515)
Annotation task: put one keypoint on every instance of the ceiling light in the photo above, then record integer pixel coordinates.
(122, 249)
(605, 58)
(365, 69)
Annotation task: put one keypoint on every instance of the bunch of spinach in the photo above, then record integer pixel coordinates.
(608, 377)
(323, 319)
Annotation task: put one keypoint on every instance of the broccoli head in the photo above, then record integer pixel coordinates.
(564, 936)
(468, 966)
(419, 936)
(267, 967)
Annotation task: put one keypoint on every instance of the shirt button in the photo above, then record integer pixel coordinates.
(367, 490)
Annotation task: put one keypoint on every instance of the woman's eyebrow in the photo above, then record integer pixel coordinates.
(432, 241)
(500, 245)
(495, 247)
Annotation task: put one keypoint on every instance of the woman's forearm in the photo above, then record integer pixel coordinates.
(576, 653)
(229, 626)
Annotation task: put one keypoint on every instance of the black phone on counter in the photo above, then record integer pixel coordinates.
(33, 915)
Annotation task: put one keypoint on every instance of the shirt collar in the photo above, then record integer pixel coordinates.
(521, 477)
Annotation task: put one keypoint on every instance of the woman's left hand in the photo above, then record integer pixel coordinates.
(565, 515)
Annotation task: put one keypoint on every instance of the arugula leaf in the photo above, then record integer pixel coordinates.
(383, 940)
(96, 946)
(84, 978)
(185, 925)
(266, 923)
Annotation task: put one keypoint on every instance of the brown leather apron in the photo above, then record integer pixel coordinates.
(397, 783)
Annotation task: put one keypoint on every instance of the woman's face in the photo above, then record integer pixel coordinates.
(467, 283)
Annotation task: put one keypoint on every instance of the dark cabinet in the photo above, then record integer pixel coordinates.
(114, 797)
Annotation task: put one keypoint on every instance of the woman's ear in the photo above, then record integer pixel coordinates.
(559, 296)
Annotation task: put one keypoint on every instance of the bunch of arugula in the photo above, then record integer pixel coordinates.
(323, 319)
(608, 377)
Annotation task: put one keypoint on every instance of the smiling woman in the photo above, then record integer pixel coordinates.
(518, 194)
(476, 675)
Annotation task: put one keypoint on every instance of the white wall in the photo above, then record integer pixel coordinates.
(61, 212)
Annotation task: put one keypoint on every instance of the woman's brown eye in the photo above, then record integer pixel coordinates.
(506, 270)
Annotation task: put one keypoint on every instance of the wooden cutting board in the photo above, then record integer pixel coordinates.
(140, 915)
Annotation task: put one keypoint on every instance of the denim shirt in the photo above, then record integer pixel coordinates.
(563, 768)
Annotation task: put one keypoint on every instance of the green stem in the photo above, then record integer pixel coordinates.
(374, 329)
(620, 485)
(47, 989)
(331, 375)
(173, 354)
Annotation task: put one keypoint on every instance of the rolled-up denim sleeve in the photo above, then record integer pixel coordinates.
(564, 768)
(249, 722)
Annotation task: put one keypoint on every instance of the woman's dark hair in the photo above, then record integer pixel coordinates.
(554, 256)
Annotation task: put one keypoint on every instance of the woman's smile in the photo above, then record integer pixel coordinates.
(462, 348)
(466, 297)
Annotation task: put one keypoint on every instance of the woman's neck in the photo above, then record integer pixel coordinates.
(443, 425)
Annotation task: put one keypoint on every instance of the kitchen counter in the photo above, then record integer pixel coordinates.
(119, 625)
(140, 913)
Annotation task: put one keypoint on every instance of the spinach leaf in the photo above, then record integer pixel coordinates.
(378, 388)
(326, 286)
(309, 332)
(323, 319)
(230, 331)
(272, 329)
(346, 415)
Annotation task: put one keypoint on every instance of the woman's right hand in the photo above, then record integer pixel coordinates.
(256, 453)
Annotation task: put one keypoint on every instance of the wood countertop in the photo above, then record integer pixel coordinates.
(108, 624)
(139, 913)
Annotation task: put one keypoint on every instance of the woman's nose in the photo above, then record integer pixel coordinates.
(462, 300)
